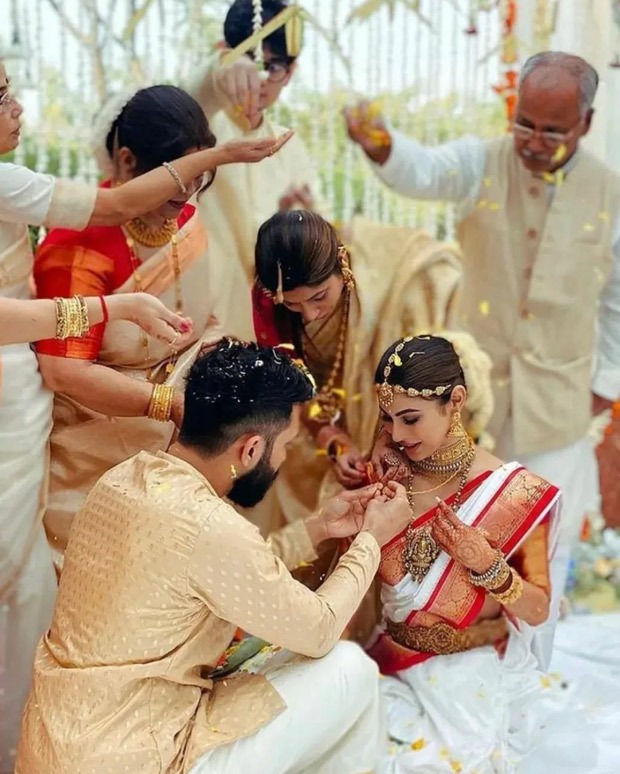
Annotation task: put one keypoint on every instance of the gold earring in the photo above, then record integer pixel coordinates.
(456, 426)
(233, 472)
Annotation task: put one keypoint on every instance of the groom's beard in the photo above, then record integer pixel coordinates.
(249, 489)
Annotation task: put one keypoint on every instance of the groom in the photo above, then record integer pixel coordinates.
(159, 573)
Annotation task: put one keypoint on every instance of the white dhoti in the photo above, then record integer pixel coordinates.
(332, 723)
(27, 578)
(574, 470)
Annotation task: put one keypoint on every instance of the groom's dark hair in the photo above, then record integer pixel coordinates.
(239, 388)
(239, 25)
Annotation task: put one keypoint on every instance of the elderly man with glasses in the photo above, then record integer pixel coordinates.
(235, 96)
(539, 227)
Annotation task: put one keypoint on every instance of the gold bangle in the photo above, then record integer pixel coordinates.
(512, 593)
(176, 177)
(71, 317)
(160, 405)
(495, 577)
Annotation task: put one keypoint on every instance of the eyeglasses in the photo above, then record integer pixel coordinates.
(6, 101)
(276, 71)
(550, 139)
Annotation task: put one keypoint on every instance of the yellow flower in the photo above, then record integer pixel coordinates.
(493, 206)
(314, 410)
(456, 766)
(559, 154)
(545, 681)
(483, 308)
(482, 203)
(487, 182)
(588, 227)
(419, 744)
(444, 753)
(603, 215)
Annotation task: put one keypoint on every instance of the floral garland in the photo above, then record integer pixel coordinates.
(507, 88)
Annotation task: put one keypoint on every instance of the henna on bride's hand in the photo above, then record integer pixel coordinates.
(465, 544)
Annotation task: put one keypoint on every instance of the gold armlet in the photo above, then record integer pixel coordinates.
(160, 405)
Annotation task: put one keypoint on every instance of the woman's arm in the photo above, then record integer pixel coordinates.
(147, 192)
(22, 321)
(101, 388)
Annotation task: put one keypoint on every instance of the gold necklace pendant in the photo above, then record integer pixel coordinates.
(420, 552)
(151, 237)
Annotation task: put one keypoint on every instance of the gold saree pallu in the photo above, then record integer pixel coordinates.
(441, 639)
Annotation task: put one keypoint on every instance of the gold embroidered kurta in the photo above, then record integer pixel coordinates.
(158, 574)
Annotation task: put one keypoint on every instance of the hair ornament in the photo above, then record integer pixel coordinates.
(386, 391)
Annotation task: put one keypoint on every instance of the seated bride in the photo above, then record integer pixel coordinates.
(467, 606)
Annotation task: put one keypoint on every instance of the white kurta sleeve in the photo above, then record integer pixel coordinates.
(37, 199)
(450, 172)
(606, 381)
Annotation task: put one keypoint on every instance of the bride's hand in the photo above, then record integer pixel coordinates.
(466, 545)
(252, 150)
(388, 463)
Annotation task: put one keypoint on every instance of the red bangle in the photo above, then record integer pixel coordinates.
(104, 309)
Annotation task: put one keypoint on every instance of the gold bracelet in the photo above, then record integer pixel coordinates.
(512, 593)
(71, 317)
(175, 176)
(160, 405)
(495, 577)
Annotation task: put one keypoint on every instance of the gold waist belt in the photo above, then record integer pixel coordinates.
(443, 639)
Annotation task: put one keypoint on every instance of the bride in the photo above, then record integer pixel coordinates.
(465, 591)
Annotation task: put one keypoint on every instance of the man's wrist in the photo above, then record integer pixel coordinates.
(317, 529)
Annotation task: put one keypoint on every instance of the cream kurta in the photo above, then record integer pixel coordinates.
(158, 574)
(242, 197)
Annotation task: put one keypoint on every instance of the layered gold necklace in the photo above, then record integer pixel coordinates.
(327, 405)
(420, 549)
(140, 233)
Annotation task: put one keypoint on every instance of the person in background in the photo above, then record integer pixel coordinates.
(236, 98)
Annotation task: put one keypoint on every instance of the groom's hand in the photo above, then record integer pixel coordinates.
(343, 514)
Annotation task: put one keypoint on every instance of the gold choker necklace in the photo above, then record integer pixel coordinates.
(146, 236)
(446, 459)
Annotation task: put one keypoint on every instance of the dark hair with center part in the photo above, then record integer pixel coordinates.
(236, 389)
(239, 26)
(160, 123)
(304, 247)
(427, 362)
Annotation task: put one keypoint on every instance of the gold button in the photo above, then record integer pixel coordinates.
(532, 233)
(534, 192)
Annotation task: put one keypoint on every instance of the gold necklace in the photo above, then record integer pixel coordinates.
(135, 264)
(421, 549)
(327, 405)
(411, 492)
(146, 236)
(446, 459)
